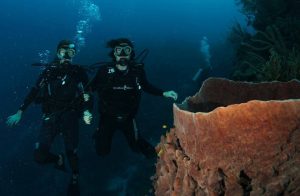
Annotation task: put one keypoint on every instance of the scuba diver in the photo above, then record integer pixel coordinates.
(119, 85)
(60, 89)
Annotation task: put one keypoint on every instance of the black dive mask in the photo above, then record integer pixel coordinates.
(66, 53)
(122, 50)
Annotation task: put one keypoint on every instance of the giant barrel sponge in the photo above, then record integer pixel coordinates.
(233, 138)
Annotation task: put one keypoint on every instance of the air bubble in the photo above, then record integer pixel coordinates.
(88, 12)
(44, 56)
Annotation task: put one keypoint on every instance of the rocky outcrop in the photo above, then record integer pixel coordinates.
(247, 142)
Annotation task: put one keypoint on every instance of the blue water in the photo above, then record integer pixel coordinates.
(170, 29)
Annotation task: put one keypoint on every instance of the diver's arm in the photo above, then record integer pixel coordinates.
(34, 91)
(87, 98)
(29, 98)
(86, 91)
(15, 118)
(149, 88)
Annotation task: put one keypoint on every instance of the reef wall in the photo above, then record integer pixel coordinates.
(233, 138)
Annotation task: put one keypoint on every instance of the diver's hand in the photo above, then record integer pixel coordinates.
(87, 117)
(14, 119)
(171, 94)
(86, 97)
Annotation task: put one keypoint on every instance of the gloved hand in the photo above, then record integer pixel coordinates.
(171, 94)
(14, 119)
(87, 117)
(86, 97)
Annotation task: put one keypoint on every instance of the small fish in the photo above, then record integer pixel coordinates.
(160, 152)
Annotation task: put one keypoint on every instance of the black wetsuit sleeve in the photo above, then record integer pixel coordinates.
(149, 88)
(84, 80)
(33, 92)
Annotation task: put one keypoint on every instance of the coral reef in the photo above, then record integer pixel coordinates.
(277, 26)
(244, 139)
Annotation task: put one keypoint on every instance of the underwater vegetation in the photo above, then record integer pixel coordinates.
(272, 51)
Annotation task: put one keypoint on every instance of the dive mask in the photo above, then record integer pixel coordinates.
(123, 50)
(62, 52)
(66, 51)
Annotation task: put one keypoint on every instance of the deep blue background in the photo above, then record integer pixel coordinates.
(171, 29)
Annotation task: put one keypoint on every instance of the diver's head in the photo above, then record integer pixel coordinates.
(122, 51)
(65, 51)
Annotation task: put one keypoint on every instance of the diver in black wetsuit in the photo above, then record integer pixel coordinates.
(119, 86)
(60, 91)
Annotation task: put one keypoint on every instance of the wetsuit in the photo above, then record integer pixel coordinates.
(59, 90)
(119, 94)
